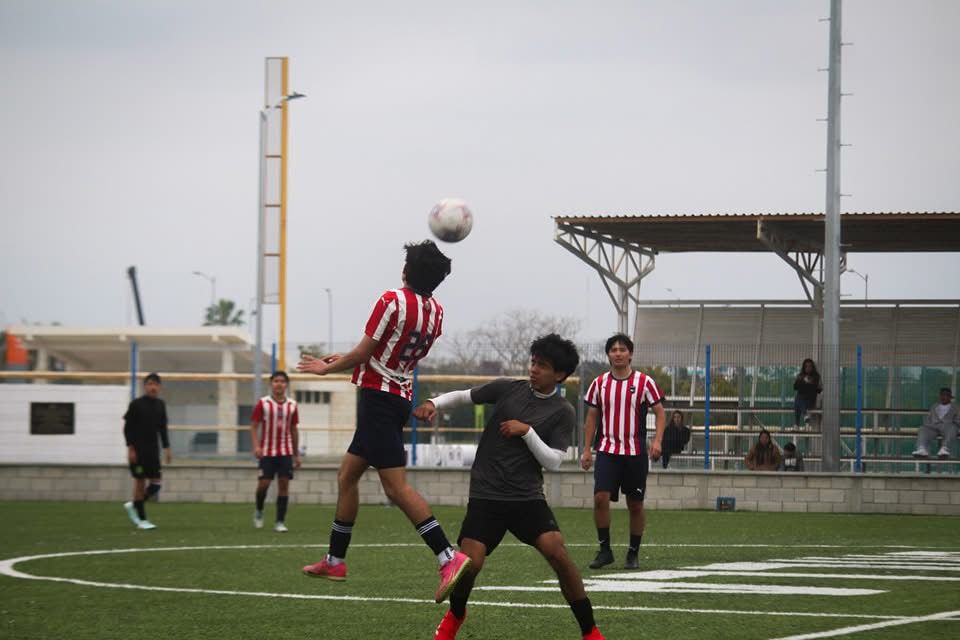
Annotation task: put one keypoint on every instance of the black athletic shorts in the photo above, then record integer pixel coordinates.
(146, 466)
(273, 466)
(614, 473)
(379, 435)
(487, 521)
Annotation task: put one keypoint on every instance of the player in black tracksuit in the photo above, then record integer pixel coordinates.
(144, 422)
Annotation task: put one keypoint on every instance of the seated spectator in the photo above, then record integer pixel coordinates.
(764, 454)
(943, 421)
(675, 437)
(792, 460)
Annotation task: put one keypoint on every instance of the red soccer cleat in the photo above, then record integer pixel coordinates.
(450, 575)
(447, 630)
(324, 569)
(594, 635)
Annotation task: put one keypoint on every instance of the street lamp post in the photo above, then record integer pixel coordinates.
(213, 285)
(329, 318)
(866, 284)
(261, 243)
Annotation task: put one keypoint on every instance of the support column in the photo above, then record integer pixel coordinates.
(227, 407)
(621, 265)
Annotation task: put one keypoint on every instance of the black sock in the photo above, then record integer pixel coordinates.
(153, 490)
(432, 533)
(603, 535)
(635, 542)
(583, 612)
(261, 498)
(282, 507)
(458, 606)
(340, 534)
(141, 512)
(460, 594)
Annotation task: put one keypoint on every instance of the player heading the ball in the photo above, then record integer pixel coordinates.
(401, 329)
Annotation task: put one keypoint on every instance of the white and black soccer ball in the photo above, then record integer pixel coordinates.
(450, 220)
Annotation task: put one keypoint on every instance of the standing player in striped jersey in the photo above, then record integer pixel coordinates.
(401, 329)
(276, 447)
(622, 398)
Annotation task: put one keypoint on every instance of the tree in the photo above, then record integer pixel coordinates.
(315, 349)
(504, 341)
(224, 313)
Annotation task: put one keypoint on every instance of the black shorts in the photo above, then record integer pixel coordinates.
(273, 466)
(146, 466)
(615, 473)
(487, 521)
(379, 435)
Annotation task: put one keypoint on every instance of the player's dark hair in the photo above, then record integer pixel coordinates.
(280, 374)
(790, 447)
(425, 266)
(152, 377)
(560, 353)
(622, 338)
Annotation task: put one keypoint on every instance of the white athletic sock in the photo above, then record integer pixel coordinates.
(446, 555)
(333, 560)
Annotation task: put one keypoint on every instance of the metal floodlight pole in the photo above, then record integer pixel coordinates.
(258, 349)
(261, 243)
(830, 422)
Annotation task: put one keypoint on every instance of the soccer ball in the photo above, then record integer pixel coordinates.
(450, 220)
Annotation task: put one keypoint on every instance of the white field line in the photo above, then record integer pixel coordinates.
(696, 572)
(844, 631)
(859, 565)
(7, 568)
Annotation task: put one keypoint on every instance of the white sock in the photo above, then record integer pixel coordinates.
(446, 555)
(333, 560)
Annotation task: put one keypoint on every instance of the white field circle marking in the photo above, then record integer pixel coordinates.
(8, 568)
(675, 581)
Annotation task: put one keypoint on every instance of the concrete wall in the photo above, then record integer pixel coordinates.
(814, 492)
(98, 424)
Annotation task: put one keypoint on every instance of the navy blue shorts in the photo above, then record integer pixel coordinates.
(615, 473)
(487, 521)
(273, 466)
(379, 435)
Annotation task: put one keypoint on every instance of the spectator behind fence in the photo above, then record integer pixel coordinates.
(764, 454)
(943, 421)
(675, 437)
(807, 386)
(792, 460)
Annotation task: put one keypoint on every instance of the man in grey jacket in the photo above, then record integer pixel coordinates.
(942, 420)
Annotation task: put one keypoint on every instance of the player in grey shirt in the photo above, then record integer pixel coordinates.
(530, 427)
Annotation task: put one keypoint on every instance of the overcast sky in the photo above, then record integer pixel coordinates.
(130, 138)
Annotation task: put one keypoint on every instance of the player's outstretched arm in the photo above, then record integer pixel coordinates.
(428, 410)
(337, 362)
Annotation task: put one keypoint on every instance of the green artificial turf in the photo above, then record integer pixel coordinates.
(392, 576)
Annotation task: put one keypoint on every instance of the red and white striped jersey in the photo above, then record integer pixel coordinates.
(623, 408)
(275, 421)
(405, 325)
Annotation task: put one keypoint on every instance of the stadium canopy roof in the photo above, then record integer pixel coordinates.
(860, 232)
(623, 249)
(195, 350)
